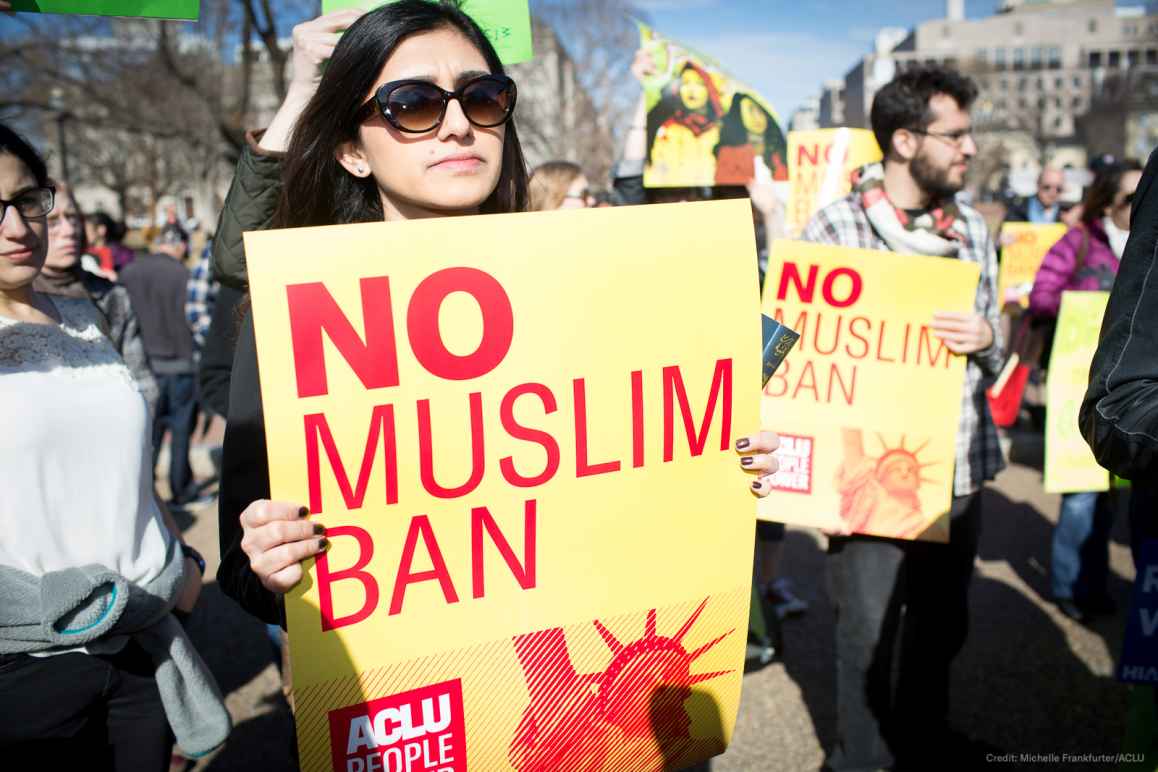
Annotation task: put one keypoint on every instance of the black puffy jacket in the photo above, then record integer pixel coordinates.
(1119, 416)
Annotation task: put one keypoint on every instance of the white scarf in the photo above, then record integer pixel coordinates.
(1117, 237)
(919, 237)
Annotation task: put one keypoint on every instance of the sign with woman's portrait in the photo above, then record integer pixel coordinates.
(703, 127)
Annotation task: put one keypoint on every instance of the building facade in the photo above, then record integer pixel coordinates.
(806, 117)
(1049, 72)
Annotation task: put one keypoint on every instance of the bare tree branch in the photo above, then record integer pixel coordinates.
(579, 89)
(267, 33)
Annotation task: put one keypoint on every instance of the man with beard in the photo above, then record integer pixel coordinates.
(892, 710)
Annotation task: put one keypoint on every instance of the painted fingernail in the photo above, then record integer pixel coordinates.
(303, 511)
(742, 443)
(323, 543)
(756, 484)
(319, 529)
(746, 461)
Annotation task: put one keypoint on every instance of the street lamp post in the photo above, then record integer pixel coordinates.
(60, 119)
(56, 99)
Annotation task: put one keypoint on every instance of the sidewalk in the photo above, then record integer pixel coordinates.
(1028, 681)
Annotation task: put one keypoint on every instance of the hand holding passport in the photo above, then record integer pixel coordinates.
(778, 341)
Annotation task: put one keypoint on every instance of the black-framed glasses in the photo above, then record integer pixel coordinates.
(31, 204)
(417, 106)
(955, 138)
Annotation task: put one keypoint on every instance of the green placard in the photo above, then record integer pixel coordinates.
(1070, 466)
(506, 22)
(156, 9)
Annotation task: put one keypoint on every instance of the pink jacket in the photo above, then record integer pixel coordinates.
(1059, 270)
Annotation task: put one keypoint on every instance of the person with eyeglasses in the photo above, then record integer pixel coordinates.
(95, 666)
(411, 117)
(1086, 258)
(908, 204)
(559, 185)
(1044, 206)
(64, 274)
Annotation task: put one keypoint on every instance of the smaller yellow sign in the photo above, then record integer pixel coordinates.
(867, 404)
(1069, 463)
(820, 166)
(1022, 256)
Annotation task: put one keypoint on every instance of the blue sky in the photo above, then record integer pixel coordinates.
(786, 49)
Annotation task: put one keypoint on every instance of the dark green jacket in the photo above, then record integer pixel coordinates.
(249, 206)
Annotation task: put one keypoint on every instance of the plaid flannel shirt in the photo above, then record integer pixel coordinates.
(200, 296)
(845, 223)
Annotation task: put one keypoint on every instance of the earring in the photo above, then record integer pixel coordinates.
(361, 170)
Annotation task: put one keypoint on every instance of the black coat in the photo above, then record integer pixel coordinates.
(217, 354)
(244, 479)
(230, 377)
(1119, 416)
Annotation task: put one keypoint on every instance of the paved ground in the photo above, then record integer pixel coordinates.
(1029, 680)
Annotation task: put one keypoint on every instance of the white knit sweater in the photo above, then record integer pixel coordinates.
(77, 485)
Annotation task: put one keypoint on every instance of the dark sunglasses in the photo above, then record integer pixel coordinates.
(417, 106)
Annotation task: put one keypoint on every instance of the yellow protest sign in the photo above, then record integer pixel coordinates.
(517, 430)
(1069, 463)
(705, 128)
(820, 166)
(868, 402)
(1022, 256)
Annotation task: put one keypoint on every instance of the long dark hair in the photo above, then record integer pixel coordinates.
(14, 144)
(733, 132)
(114, 231)
(316, 189)
(903, 102)
(1104, 189)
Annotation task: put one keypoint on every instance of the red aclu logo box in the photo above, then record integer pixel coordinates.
(421, 730)
(795, 458)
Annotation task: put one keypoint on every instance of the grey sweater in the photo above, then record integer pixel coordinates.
(97, 608)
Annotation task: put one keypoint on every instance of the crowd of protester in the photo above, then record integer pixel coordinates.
(105, 353)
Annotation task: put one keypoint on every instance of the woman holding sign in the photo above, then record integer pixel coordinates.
(411, 118)
(1086, 258)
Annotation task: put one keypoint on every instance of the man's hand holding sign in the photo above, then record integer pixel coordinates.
(964, 332)
(857, 454)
